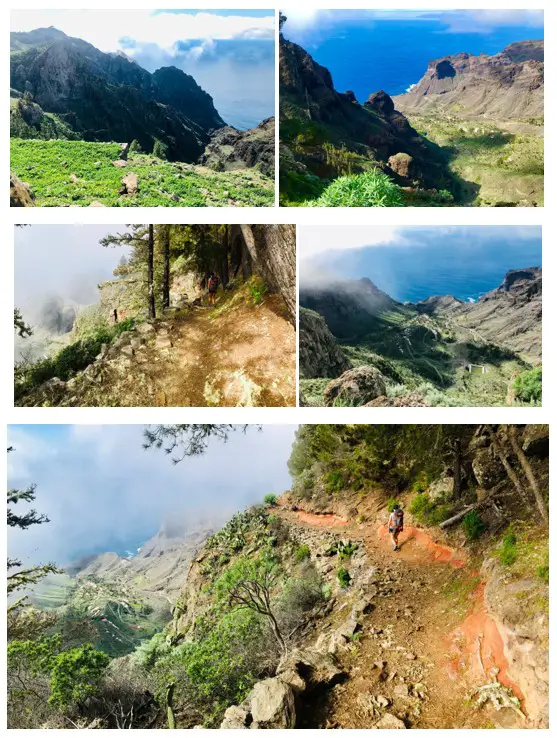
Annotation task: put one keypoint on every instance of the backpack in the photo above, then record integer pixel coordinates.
(213, 283)
(398, 519)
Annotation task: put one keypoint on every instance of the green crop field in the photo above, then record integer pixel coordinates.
(47, 167)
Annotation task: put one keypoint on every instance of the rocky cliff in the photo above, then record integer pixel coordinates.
(108, 97)
(510, 315)
(320, 355)
(374, 130)
(506, 85)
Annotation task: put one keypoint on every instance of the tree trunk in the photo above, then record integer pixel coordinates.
(273, 252)
(150, 273)
(166, 274)
(525, 464)
(457, 481)
(508, 468)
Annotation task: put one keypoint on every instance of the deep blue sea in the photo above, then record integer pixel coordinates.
(465, 264)
(365, 55)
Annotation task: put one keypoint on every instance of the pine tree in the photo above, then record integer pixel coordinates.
(141, 238)
(24, 578)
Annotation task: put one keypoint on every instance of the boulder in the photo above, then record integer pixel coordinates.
(389, 722)
(120, 163)
(145, 329)
(293, 679)
(314, 666)
(96, 204)
(487, 468)
(272, 704)
(535, 440)
(235, 718)
(356, 386)
(130, 184)
(401, 164)
(20, 193)
(163, 342)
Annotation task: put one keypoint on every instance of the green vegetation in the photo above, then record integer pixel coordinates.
(370, 189)
(74, 675)
(528, 386)
(493, 165)
(508, 552)
(48, 165)
(428, 511)
(391, 504)
(257, 290)
(302, 553)
(69, 360)
(344, 578)
(270, 500)
(473, 525)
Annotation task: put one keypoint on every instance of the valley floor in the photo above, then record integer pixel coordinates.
(426, 645)
(81, 173)
(496, 162)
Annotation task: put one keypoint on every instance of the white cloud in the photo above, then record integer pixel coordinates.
(102, 490)
(316, 240)
(484, 21)
(105, 29)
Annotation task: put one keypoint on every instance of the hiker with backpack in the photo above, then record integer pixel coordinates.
(396, 525)
(213, 285)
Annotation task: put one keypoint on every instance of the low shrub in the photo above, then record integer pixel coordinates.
(302, 553)
(508, 553)
(427, 511)
(391, 504)
(344, 578)
(473, 525)
(370, 189)
(270, 500)
(528, 386)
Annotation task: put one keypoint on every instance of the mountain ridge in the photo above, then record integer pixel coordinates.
(106, 96)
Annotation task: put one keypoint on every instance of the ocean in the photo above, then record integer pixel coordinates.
(369, 55)
(465, 265)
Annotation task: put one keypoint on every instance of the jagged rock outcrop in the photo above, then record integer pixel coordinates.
(320, 355)
(230, 149)
(375, 130)
(506, 85)
(21, 195)
(108, 97)
(356, 386)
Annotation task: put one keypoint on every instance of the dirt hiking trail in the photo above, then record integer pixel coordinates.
(236, 354)
(427, 643)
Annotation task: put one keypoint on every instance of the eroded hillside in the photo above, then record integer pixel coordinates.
(437, 351)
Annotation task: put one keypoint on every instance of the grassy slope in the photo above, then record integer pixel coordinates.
(47, 166)
(506, 165)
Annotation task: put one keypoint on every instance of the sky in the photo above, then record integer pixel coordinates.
(413, 263)
(103, 492)
(368, 50)
(62, 260)
(229, 53)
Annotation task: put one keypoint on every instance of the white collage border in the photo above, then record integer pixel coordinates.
(302, 217)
